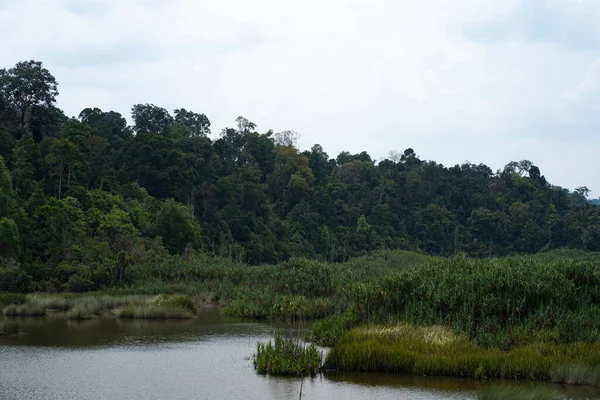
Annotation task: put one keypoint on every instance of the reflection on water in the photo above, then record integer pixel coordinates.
(205, 357)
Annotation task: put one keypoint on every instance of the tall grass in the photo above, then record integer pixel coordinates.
(152, 311)
(24, 310)
(328, 331)
(498, 302)
(287, 357)
(436, 350)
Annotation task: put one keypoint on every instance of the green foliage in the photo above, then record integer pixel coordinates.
(7, 201)
(11, 298)
(177, 301)
(328, 331)
(489, 299)
(436, 350)
(9, 238)
(176, 226)
(287, 357)
(89, 192)
(13, 279)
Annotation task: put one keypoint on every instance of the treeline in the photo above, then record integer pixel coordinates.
(83, 199)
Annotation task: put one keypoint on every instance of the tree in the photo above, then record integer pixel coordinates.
(198, 123)
(148, 118)
(25, 85)
(9, 238)
(287, 138)
(108, 125)
(245, 126)
(7, 196)
(63, 155)
(176, 226)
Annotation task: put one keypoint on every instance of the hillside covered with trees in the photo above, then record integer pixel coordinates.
(84, 199)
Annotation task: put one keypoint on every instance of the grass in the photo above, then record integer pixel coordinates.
(288, 357)
(328, 331)
(153, 311)
(176, 301)
(436, 350)
(264, 305)
(512, 392)
(24, 310)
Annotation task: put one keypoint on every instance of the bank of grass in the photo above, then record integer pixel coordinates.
(24, 310)
(86, 306)
(287, 357)
(437, 350)
(153, 311)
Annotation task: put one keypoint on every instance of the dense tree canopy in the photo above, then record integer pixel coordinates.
(88, 198)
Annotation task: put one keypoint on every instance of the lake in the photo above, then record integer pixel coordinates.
(203, 358)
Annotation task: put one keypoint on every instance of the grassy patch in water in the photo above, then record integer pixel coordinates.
(24, 310)
(287, 357)
(153, 311)
(436, 350)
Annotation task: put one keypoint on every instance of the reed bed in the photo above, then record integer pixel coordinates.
(436, 350)
(287, 357)
(152, 311)
(497, 302)
(24, 310)
(328, 331)
(263, 305)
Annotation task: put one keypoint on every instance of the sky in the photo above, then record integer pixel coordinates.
(484, 81)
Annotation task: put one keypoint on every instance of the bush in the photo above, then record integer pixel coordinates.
(12, 298)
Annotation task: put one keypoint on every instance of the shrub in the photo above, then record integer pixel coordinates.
(12, 298)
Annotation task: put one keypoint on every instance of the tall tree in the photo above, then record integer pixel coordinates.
(197, 123)
(148, 118)
(25, 85)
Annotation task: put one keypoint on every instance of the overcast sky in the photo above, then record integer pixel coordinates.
(488, 81)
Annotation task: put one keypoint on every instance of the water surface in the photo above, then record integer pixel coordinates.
(202, 358)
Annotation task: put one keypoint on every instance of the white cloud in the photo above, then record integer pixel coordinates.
(375, 75)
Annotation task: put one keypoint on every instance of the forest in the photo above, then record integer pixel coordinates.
(84, 201)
